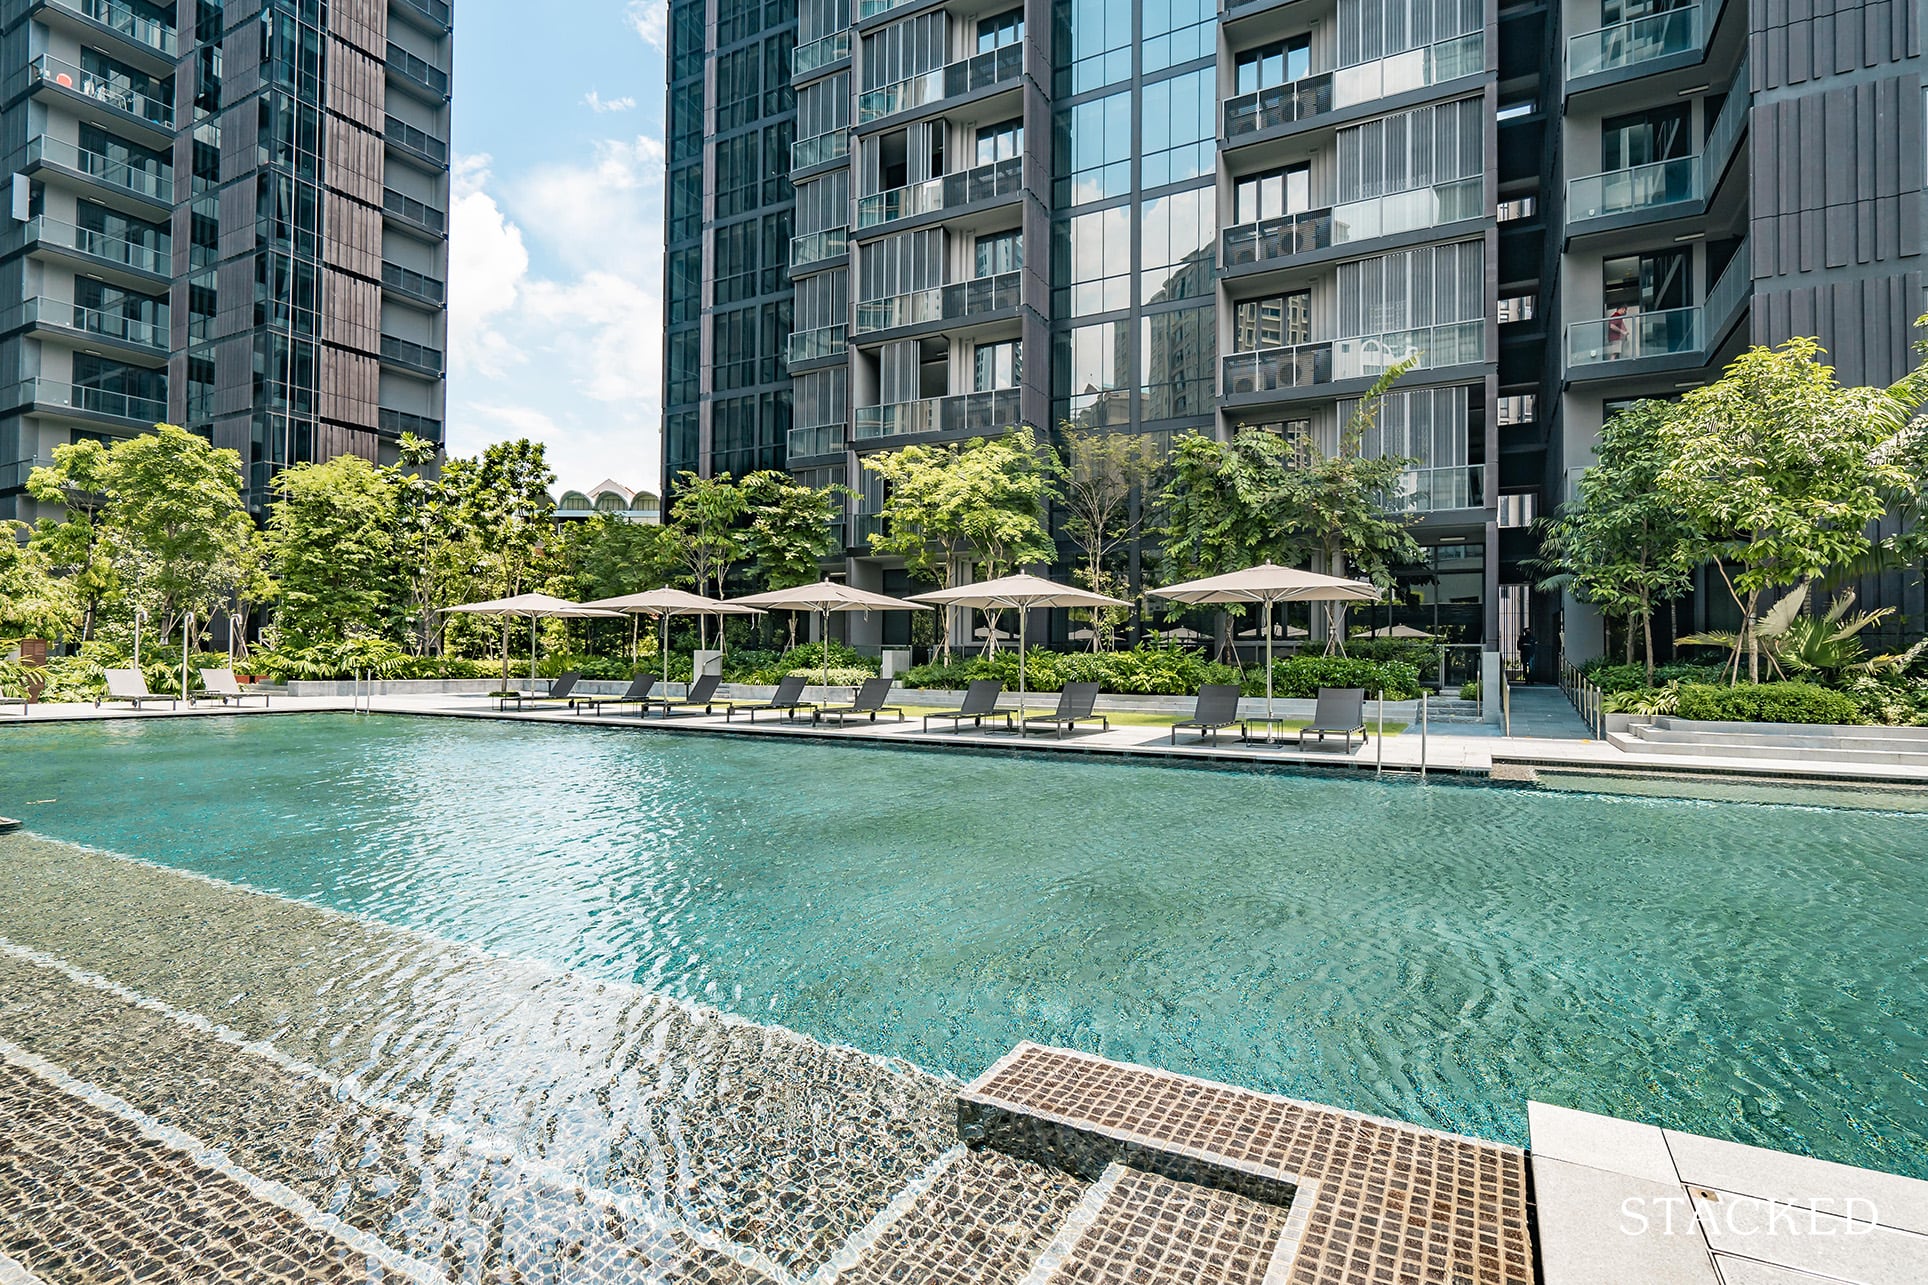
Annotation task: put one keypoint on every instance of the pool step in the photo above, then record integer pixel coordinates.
(1136, 1226)
(1380, 1197)
(1685, 739)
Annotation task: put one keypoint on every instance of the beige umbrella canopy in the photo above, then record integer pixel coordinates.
(536, 606)
(824, 597)
(1268, 585)
(1397, 631)
(666, 602)
(1020, 592)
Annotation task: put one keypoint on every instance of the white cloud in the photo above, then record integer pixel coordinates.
(650, 18)
(488, 264)
(595, 102)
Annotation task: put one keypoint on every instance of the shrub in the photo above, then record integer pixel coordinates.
(1767, 703)
(1890, 700)
(1142, 671)
(836, 677)
(597, 668)
(1470, 692)
(1303, 676)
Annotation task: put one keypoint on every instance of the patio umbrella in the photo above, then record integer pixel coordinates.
(1268, 585)
(665, 602)
(824, 597)
(1022, 593)
(536, 606)
(1398, 631)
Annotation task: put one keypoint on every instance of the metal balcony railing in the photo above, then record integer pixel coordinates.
(1451, 343)
(153, 184)
(1428, 65)
(100, 246)
(824, 341)
(1729, 291)
(815, 247)
(60, 395)
(807, 58)
(151, 109)
(418, 285)
(436, 11)
(961, 413)
(819, 439)
(406, 352)
(1277, 238)
(1448, 486)
(420, 141)
(1638, 187)
(1633, 335)
(1638, 40)
(819, 148)
(1396, 212)
(967, 75)
(967, 187)
(397, 422)
(1278, 105)
(418, 71)
(157, 36)
(418, 213)
(62, 315)
(1267, 370)
(959, 301)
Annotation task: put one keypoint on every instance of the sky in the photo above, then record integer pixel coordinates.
(556, 234)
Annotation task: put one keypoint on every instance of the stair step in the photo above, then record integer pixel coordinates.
(985, 1221)
(1640, 740)
(1381, 1198)
(1136, 1226)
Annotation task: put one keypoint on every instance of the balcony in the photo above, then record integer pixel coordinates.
(99, 247)
(413, 285)
(963, 413)
(967, 187)
(413, 213)
(418, 74)
(409, 355)
(78, 322)
(1409, 69)
(1278, 105)
(807, 59)
(821, 439)
(819, 149)
(1267, 370)
(960, 301)
(1278, 238)
(1452, 343)
(1411, 211)
(155, 36)
(1449, 486)
(871, 8)
(1631, 336)
(156, 185)
(418, 143)
(434, 12)
(122, 101)
(966, 76)
(57, 396)
(815, 345)
(816, 247)
(1659, 185)
(1627, 45)
(396, 422)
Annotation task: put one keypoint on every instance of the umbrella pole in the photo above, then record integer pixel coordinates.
(1021, 650)
(662, 628)
(532, 655)
(1269, 605)
(823, 649)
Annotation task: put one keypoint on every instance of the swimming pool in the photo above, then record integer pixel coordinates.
(1437, 953)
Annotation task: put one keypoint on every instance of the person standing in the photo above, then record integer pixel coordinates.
(1527, 645)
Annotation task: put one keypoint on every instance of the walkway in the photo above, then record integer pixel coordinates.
(1545, 713)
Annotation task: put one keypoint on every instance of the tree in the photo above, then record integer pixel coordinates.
(607, 557)
(1781, 471)
(502, 500)
(1621, 544)
(434, 547)
(332, 543)
(705, 516)
(76, 545)
(1221, 508)
(34, 599)
(792, 530)
(1099, 475)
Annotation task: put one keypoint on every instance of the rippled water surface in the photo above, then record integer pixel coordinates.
(1439, 953)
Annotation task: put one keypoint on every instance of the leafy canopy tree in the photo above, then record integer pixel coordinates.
(607, 557)
(1622, 545)
(1099, 476)
(502, 500)
(705, 515)
(333, 548)
(1221, 508)
(77, 545)
(34, 598)
(1781, 472)
(792, 530)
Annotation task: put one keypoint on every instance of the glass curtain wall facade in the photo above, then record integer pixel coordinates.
(230, 216)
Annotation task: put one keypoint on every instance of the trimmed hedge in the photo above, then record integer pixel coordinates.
(1633, 678)
(1767, 703)
(1303, 676)
(1142, 671)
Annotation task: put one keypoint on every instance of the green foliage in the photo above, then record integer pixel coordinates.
(791, 528)
(1645, 702)
(1825, 645)
(1612, 678)
(1469, 691)
(704, 517)
(1303, 676)
(601, 668)
(1142, 671)
(607, 557)
(33, 599)
(1767, 703)
(1220, 509)
(332, 550)
(1097, 474)
(1890, 700)
(76, 545)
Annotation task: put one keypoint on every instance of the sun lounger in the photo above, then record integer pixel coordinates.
(788, 701)
(701, 694)
(1341, 711)
(980, 703)
(1217, 708)
(1075, 704)
(221, 685)
(636, 694)
(128, 685)
(870, 701)
(558, 692)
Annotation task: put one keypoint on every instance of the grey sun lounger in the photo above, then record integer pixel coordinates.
(980, 703)
(788, 701)
(559, 691)
(1075, 704)
(701, 694)
(221, 685)
(637, 694)
(1341, 711)
(1217, 708)
(128, 685)
(870, 700)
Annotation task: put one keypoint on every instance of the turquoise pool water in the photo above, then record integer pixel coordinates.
(1437, 953)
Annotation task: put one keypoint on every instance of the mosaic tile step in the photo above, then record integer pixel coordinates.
(1138, 1227)
(1371, 1200)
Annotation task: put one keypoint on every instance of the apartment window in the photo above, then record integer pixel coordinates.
(1374, 29)
(1090, 371)
(998, 365)
(1518, 509)
(685, 272)
(1645, 282)
(1093, 44)
(1409, 150)
(1094, 150)
(1515, 307)
(1180, 128)
(1428, 286)
(1273, 321)
(1000, 30)
(685, 36)
(1297, 434)
(686, 118)
(1641, 138)
(1519, 408)
(1275, 64)
(776, 174)
(736, 262)
(737, 175)
(1000, 142)
(1177, 31)
(1523, 207)
(733, 344)
(1273, 194)
(1094, 262)
(998, 253)
(1179, 352)
(112, 376)
(686, 203)
(739, 87)
(1177, 258)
